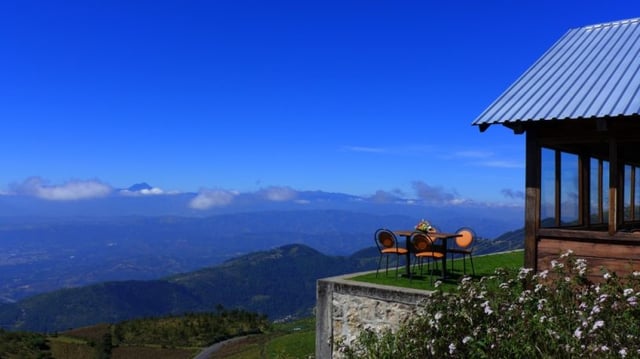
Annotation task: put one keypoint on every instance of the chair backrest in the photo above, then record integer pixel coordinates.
(467, 237)
(421, 242)
(385, 239)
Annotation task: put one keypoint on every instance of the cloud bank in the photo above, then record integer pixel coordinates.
(208, 198)
(512, 194)
(278, 194)
(155, 191)
(433, 194)
(68, 191)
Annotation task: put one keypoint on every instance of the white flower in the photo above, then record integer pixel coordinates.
(581, 266)
(556, 264)
(577, 333)
(544, 274)
(633, 300)
(452, 348)
(438, 316)
(627, 292)
(541, 303)
(487, 308)
(606, 275)
(623, 352)
(567, 253)
(466, 339)
(597, 324)
(523, 272)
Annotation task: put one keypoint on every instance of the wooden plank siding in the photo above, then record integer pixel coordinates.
(619, 258)
(619, 253)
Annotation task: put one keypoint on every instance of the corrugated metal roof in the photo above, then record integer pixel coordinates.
(593, 71)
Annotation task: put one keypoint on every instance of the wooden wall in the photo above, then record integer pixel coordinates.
(621, 257)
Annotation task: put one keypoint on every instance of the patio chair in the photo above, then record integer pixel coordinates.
(388, 246)
(424, 248)
(464, 246)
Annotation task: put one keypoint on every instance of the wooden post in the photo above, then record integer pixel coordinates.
(532, 200)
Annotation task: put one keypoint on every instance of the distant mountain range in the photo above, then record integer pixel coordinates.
(279, 282)
(66, 263)
(44, 254)
(142, 199)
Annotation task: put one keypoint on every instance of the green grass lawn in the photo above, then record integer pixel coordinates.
(294, 339)
(484, 265)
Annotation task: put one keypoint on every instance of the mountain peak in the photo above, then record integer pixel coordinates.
(139, 187)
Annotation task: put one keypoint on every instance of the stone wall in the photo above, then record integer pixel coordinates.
(346, 307)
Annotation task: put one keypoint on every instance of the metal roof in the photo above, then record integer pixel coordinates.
(591, 72)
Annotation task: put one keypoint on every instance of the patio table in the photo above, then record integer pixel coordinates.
(443, 236)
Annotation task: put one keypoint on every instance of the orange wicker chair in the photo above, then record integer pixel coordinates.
(464, 246)
(388, 246)
(424, 248)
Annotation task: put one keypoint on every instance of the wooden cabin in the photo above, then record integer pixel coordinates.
(578, 106)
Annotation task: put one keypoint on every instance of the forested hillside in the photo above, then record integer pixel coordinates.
(278, 283)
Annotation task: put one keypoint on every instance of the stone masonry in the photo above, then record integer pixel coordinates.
(346, 307)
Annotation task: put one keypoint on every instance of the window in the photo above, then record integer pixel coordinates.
(599, 191)
(631, 195)
(569, 189)
(561, 194)
(548, 188)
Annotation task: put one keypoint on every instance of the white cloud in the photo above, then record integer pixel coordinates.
(501, 164)
(155, 191)
(72, 190)
(433, 194)
(385, 197)
(364, 149)
(278, 194)
(207, 198)
(473, 154)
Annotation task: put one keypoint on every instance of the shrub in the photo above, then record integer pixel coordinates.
(557, 313)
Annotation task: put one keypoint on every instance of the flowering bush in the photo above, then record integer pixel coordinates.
(551, 314)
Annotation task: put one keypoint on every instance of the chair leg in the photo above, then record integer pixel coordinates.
(397, 264)
(434, 263)
(473, 269)
(451, 262)
(417, 264)
(379, 262)
(387, 267)
(464, 264)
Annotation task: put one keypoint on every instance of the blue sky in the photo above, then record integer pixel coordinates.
(358, 97)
